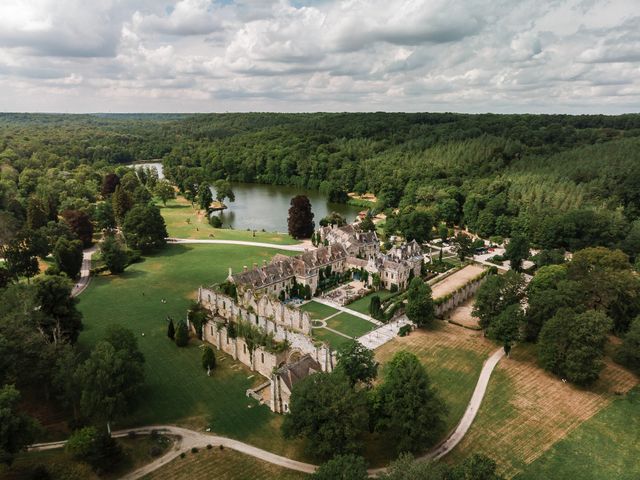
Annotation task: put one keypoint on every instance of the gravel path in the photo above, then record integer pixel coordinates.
(188, 439)
(292, 248)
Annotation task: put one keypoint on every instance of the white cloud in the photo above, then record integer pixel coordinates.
(206, 55)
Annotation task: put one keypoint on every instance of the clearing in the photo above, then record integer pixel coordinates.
(455, 280)
(185, 221)
(527, 410)
(462, 316)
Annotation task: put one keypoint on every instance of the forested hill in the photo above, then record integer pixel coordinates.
(566, 180)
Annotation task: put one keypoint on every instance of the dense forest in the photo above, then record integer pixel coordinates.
(566, 181)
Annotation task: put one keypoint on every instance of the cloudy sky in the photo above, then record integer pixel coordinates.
(574, 56)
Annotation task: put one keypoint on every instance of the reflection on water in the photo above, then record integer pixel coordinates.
(266, 207)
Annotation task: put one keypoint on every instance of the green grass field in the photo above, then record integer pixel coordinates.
(605, 446)
(318, 311)
(362, 304)
(350, 324)
(178, 211)
(333, 339)
(221, 465)
(177, 389)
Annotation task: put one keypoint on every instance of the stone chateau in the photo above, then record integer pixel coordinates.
(274, 338)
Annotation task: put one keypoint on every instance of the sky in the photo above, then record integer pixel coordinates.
(504, 56)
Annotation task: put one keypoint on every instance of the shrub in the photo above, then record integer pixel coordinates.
(40, 472)
(97, 448)
(208, 358)
(404, 330)
(182, 455)
(209, 446)
(182, 334)
(215, 221)
(155, 451)
(194, 450)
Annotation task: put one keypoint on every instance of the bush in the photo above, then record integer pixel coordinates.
(194, 450)
(40, 472)
(155, 451)
(215, 221)
(209, 446)
(182, 455)
(182, 334)
(97, 448)
(208, 358)
(404, 330)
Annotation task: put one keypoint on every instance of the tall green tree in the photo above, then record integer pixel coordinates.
(144, 228)
(328, 413)
(68, 256)
(113, 255)
(505, 328)
(357, 362)
(572, 345)
(20, 256)
(342, 467)
(17, 430)
(420, 309)
(110, 383)
(495, 294)
(517, 251)
(60, 322)
(182, 334)
(164, 191)
(464, 244)
(205, 197)
(208, 358)
(109, 184)
(224, 190)
(300, 220)
(122, 202)
(407, 406)
(80, 224)
(37, 213)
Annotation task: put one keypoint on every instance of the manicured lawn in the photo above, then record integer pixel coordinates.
(362, 304)
(177, 388)
(221, 465)
(178, 211)
(605, 446)
(350, 325)
(333, 339)
(317, 310)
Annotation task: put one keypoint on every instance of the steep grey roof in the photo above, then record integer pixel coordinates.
(294, 372)
(276, 271)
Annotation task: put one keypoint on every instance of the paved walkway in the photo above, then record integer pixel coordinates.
(292, 248)
(384, 334)
(85, 271)
(190, 438)
(363, 316)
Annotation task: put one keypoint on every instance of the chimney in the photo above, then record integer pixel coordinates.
(244, 268)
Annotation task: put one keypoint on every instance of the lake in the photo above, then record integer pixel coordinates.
(266, 207)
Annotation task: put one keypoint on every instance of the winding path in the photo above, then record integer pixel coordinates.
(188, 439)
(292, 248)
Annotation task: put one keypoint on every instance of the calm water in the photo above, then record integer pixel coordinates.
(266, 206)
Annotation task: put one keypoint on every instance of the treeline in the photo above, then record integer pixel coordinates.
(565, 181)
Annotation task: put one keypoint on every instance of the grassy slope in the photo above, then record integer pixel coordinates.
(333, 339)
(350, 324)
(605, 446)
(177, 389)
(179, 210)
(221, 465)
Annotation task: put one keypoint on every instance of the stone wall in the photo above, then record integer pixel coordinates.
(261, 310)
(458, 297)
